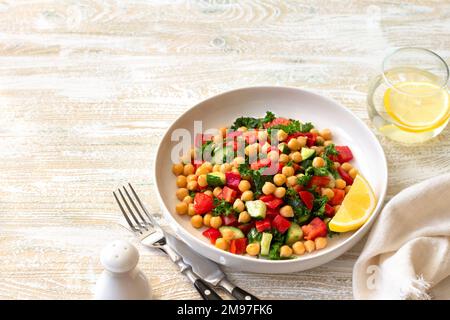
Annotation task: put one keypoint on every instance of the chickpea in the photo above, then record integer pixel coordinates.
(336, 165)
(353, 173)
(181, 208)
(237, 161)
(320, 141)
(216, 168)
(221, 244)
(291, 181)
(244, 185)
(346, 166)
(177, 169)
(197, 221)
(215, 222)
(347, 189)
(288, 171)
(302, 141)
(188, 199)
(273, 156)
(293, 144)
(279, 192)
(285, 251)
(287, 211)
(281, 135)
(226, 167)
(191, 210)
(253, 249)
(227, 234)
(238, 205)
(325, 133)
(279, 179)
(207, 219)
(247, 195)
(283, 158)
(217, 191)
(191, 177)
(181, 181)
(218, 139)
(319, 149)
(318, 162)
(262, 135)
(202, 170)
(327, 143)
(188, 169)
(340, 184)
(223, 131)
(202, 180)
(242, 129)
(244, 217)
(265, 147)
(296, 156)
(268, 188)
(299, 248)
(182, 193)
(192, 185)
(310, 246)
(208, 165)
(320, 242)
(328, 193)
(251, 150)
(314, 130)
(208, 192)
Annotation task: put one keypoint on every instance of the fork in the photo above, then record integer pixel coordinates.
(150, 234)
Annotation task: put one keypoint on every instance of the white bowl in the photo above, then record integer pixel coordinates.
(221, 110)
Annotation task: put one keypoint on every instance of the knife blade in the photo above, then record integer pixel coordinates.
(207, 269)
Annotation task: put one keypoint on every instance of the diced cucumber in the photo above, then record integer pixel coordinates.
(307, 153)
(256, 209)
(265, 243)
(294, 234)
(284, 148)
(237, 233)
(215, 179)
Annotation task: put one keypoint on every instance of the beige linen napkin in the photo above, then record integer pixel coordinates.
(407, 254)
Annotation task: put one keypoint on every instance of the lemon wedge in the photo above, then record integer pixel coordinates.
(356, 208)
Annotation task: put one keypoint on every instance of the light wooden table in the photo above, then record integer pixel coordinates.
(88, 88)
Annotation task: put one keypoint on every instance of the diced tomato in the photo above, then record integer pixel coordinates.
(338, 197)
(276, 122)
(233, 179)
(228, 194)
(307, 198)
(298, 188)
(272, 213)
(312, 137)
(316, 228)
(262, 225)
(344, 154)
(233, 134)
(281, 223)
(266, 198)
(203, 203)
(329, 210)
(230, 220)
(212, 234)
(296, 167)
(280, 166)
(260, 164)
(246, 227)
(345, 176)
(271, 201)
(237, 246)
(251, 136)
(319, 181)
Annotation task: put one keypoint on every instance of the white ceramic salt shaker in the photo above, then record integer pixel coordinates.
(121, 279)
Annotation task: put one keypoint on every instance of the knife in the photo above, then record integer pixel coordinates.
(207, 270)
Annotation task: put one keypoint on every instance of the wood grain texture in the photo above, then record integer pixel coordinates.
(87, 89)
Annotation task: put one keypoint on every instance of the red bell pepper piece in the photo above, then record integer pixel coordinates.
(276, 122)
(338, 197)
(260, 164)
(271, 201)
(230, 220)
(228, 194)
(272, 213)
(307, 198)
(203, 203)
(237, 246)
(329, 210)
(246, 227)
(212, 234)
(262, 225)
(345, 176)
(281, 223)
(319, 181)
(316, 228)
(344, 154)
(233, 179)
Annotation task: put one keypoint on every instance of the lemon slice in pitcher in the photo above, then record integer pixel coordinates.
(356, 208)
(417, 106)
